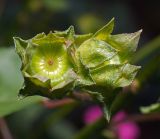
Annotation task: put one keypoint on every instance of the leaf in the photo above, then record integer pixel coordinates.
(147, 50)
(153, 108)
(10, 83)
(56, 5)
(105, 31)
(94, 52)
(90, 131)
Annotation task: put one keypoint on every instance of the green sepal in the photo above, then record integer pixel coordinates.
(45, 39)
(67, 34)
(126, 44)
(79, 39)
(69, 78)
(105, 31)
(105, 97)
(128, 73)
(30, 89)
(20, 46)
(84, 77)
(34, 85)
(38, 79)
(113, 75)
(40, 35)
(94, 52)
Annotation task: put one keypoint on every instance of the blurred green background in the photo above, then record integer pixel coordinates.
(26, 18)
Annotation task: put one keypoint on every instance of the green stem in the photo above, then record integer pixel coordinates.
(87, 132)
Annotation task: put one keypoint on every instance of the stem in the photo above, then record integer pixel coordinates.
(145, 117)
(4, 130)
(57, 103)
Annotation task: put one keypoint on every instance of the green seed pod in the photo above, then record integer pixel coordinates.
(106, 58)
(57, 63)
(46, 65)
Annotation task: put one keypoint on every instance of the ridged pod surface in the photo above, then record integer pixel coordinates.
(56, 64)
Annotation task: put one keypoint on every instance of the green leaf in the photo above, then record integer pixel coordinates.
(94, 52)
(105, 31)
(90, 131)
(147, 50)
(153, 108)
(10, 83)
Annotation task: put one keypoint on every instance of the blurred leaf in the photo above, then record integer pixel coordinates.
(147, 50)
(10, 83)
(120, 101)
(151, 109)
(91, 130)
(152, 66)
(62, 130)
(56, 5)
(89, 22)
(53, 119)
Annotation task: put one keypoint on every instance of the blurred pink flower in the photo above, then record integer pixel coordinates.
(119, 116)
(125, 129)
(92, 114)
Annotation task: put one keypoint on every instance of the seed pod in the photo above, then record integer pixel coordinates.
(106, 58)
(46, 65)
(57, 63)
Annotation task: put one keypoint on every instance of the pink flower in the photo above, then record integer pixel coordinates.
(125, 129)
(92, 114)
(119, 117)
